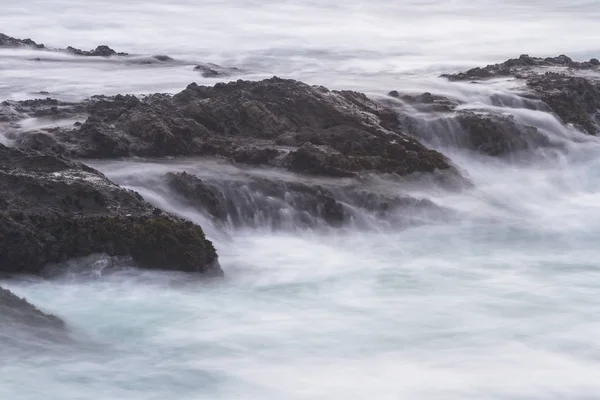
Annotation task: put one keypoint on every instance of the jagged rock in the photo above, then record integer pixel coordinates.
(208, 72)
(569, 88)
(318, 160)
(53, 209)
(7, 41)
(520, 66)
(498, 134)
(258, 202)
(576, 100)
(254, 201)
(427, 102)
(23, 323)
(16, 310)
(256, 123)
(100, 51)
(215, 71)
(483, 131)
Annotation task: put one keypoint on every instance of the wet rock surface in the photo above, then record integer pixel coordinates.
(524, 66)
(576, 100)
(207, 70)
(53, 209)
(259, 202)
(571, 89)
(8, 41)
(16, 311)
(448, 125)
(100, 51)
(275, 122)
(215, 71)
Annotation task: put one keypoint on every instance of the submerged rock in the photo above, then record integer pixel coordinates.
(521, 67)
(278, 203)
(569, 88)
(25, 327)
(215, 71)
(16, 310)
(100, 51)
(485, 131)
(53, 209)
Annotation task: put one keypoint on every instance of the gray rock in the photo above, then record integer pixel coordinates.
(53, 209)
(256, 123)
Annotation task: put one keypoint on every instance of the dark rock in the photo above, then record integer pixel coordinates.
(497, 135)
(427, 102)
(7, 41)
(163, 58)
(570, 89)
(208, 72)
(523, 65)
(214, 71)
(54, 209)
(100, 51)
(248, 122)
(21, 323)
(318, 160)
(278, 203)
(16, 310)
(576, 100)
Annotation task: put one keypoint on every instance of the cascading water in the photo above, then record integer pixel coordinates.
(486, 289)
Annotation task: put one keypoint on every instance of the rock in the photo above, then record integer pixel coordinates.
(569, 88)
(318, 160)
(100, 51)
(163, 58)
(257, 202)
(7, 41)
(208, 72)
(521, 66)
(53, 209)
(16, 310)
(576, 100)
(256, 123)
(214, 71)
(427, 102)
(497, 135)
(484, 131)
(278, 203)
(21, 323)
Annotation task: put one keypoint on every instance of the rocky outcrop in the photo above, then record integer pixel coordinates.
(18, 311)
(100, 51)
(571, 89)
(7, 41)
(53, 209)
(523, 66)
(278, 203)
(484, 131)
(496, 135)
(24, 327)
(215, 71)
(576, 100)
(275, 122)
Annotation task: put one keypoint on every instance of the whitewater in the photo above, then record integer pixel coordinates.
(495, 300)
